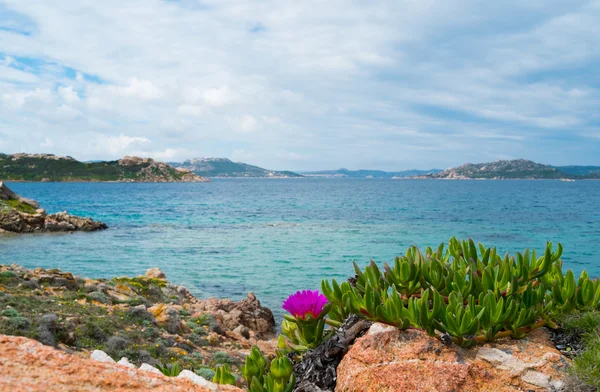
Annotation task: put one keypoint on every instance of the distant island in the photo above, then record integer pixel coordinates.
(223, 167)
(48, 167)
(517, 169)
(345, 173)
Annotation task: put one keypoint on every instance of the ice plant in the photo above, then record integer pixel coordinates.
(304, 303)
(467, 293)
(305, 324)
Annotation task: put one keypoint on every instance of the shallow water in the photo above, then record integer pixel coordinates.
(273, 237)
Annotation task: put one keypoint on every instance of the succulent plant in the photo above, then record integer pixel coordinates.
(466, 291)
(305, 325)
(262, 376)
(223, 375)
(169, 370)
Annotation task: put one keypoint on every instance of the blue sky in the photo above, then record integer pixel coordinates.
(303, 85)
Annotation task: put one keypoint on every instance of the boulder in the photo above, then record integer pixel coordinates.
(387, 359)
(27, 365)
(62, 221)
(167, 317)
(196, 379)
(101, 356)
(247, 312)
(125, 362)
(155, 273)
(6, 193)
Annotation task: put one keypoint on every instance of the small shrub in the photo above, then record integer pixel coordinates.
(151, 333)
(139, 314)
(206, 373)
(198, 340)
(586, 365)
(115, 344)
(10, 312)
(222, 358)
(7, 274)
(31, 284)
(99, 296)
(19, 323)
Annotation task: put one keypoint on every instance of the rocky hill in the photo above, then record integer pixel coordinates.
(503, 170)
(47, 167)
(223, 167)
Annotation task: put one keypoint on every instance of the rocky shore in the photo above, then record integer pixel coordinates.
(74, 333)
(22, 215)
(145, 319)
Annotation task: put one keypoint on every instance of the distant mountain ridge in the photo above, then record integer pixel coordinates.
(345, 173)
(516, 169)
(223, 167)
(48, 167)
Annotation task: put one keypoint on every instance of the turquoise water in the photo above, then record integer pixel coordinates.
(273, 237)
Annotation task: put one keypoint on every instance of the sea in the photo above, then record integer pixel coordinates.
(276, 236)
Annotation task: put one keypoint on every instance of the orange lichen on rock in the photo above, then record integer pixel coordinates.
(387, 359)
(27, 365)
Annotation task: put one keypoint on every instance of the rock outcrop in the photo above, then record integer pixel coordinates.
(246, 313)
(146, 319)
(46, 167)
(27, 365)
(21, 215)
(155, 171)
(387, 359)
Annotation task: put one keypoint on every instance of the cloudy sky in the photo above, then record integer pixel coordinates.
(303, 84)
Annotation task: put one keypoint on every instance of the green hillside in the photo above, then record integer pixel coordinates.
(46, 167)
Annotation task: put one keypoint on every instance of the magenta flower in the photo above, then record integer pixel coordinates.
(305, 302)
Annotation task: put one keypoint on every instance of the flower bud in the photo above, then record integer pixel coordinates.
(281, 368)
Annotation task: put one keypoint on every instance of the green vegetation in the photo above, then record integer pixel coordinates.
(56, 308)
(585, 328)
(49, 168)
(169, 370)
(262, 376)
(581, 171)
(223, 375)
(468, 293)
(17, 205)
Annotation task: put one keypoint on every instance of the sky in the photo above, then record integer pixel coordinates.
(303, 85)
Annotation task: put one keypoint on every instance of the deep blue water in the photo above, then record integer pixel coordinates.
(273, 237)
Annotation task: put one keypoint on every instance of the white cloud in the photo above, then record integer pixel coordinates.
(68, 94)
(220, 96)
(191, 110)
(347, 84)
(19, 99)
(118, 145)
(247, 123)
(137, 88)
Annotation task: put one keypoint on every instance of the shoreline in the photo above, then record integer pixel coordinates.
(307, 177)
(146, 318)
